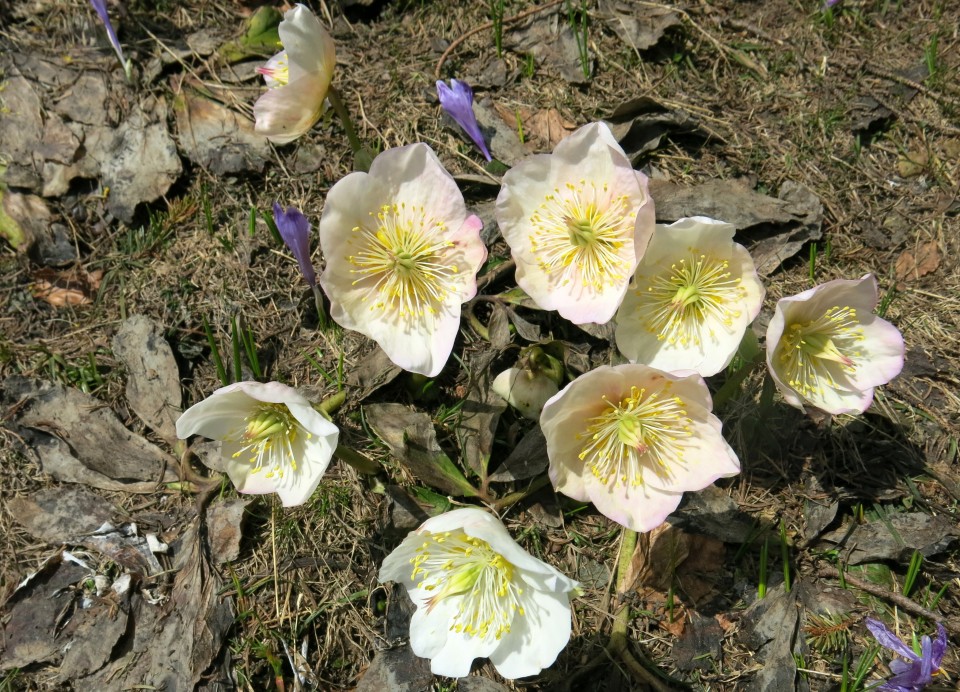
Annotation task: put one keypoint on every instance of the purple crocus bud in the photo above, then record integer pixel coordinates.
(457, 101)
(101, 7)
(295, 231)
(917, 671)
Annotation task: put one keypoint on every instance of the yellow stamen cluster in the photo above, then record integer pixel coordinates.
(682, 306)
(269, 434)
(584, 232)
(643, 429)
(816, 354)
(402, 253)
(453, 564)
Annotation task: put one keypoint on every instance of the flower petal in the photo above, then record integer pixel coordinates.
(287, 112)
(406, 207)
(576, 222)
(536, 638)
(309, 47)
(888, 639)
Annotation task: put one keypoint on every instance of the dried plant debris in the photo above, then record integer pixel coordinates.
(153, 380)
(639, 26)
(481, 409)
(34, 614)
(74, 515)
(225, 520)
(397, 669)
(80, 440)
(136, 159)
(554, 45)
(770, 629)
(699, 647)
(528, 459)
(174, 641)
(895, 536)
(773, 229)
(714, 513)
(25, 219)
(641, 124)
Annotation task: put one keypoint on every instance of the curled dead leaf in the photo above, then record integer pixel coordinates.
(920, 261)
(71, 287)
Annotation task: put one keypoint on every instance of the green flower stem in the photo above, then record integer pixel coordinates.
(361, 462)
(618, 635)
(330, 405)
(514, 498)
(732, 385)
(321, 313)
(361, 156)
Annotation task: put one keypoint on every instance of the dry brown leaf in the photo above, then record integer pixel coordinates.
(914, 264)
(656, 558)
(548, 126)
(71, 287)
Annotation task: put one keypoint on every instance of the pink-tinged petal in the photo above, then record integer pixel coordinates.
(883, 349)
(826, 349)
(310, 47)
(285, 113)
(632, 439)
(576, 222)
(406, 206)
(639, 508)
(298, 78)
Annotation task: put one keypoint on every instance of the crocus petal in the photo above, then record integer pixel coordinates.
(631, 439)
(457, 101)
(101, 7)
(826, 349)
(406, 206)
(693, 296)
(298, 78)
(479, 594)
(888, 640)
(939, 647)
(577, 221)
(272, 439)
(295, 231)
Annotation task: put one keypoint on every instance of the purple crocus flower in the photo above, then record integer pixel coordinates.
(457, 101)
(917, 671)
(101, 7)
(295, 231)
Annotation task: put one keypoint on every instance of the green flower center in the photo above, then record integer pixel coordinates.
(403, 256)
(453, 564)
(817, 354)
(643, 429)
(583, 232)
(684, 305)
(268, 436)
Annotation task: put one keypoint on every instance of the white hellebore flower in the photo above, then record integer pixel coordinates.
(298, 78)
(577, 222)
(402, 255)
(479, 594)
(631, 439)
(525, 389)
(826, 348)
(694, 294)
(272, 439)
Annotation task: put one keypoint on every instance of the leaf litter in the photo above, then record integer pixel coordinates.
(71, 126)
